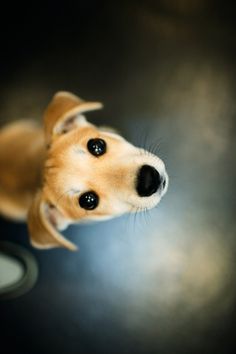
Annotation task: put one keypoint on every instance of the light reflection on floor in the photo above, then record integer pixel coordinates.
(171, 273)
(179, 267)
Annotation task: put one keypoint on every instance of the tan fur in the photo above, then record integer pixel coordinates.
(42, 175)
(22, 153)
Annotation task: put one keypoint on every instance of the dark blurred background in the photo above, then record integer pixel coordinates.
(165, 70)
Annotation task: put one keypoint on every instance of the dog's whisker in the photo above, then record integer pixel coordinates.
(145, 139)
(143, 215)
(155, 146)
(147, 212)
(135, 219)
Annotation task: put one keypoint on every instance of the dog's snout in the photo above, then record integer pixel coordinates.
(148, 181)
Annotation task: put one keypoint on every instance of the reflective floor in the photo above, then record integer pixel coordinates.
(162, 282)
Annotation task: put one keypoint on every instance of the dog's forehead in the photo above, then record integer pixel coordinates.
(76, 142)
(80, 137)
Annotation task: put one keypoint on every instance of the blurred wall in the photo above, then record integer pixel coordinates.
(165, 70)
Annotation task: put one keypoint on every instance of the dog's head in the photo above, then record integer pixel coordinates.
(90, 173)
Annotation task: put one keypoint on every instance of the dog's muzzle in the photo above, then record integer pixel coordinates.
(149, 181)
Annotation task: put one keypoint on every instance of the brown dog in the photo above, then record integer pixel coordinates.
(72, 172)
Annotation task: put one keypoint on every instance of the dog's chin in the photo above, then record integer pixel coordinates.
(139, 204)
(143, 203)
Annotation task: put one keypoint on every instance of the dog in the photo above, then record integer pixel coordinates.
(72, 171)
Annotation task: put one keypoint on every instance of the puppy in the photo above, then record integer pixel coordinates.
(72, 171)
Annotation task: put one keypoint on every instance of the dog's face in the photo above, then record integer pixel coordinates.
(90, 173)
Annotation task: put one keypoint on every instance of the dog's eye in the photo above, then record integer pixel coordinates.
(96, 147)
(88, 200)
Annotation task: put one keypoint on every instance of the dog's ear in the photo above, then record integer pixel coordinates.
(64, 113)
(43, 222)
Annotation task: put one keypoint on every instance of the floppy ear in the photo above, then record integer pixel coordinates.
(64, 113)
(43, 222)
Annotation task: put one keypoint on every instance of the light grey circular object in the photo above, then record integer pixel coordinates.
(18, 270)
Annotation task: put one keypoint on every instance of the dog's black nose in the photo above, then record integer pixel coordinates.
(148, 181)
